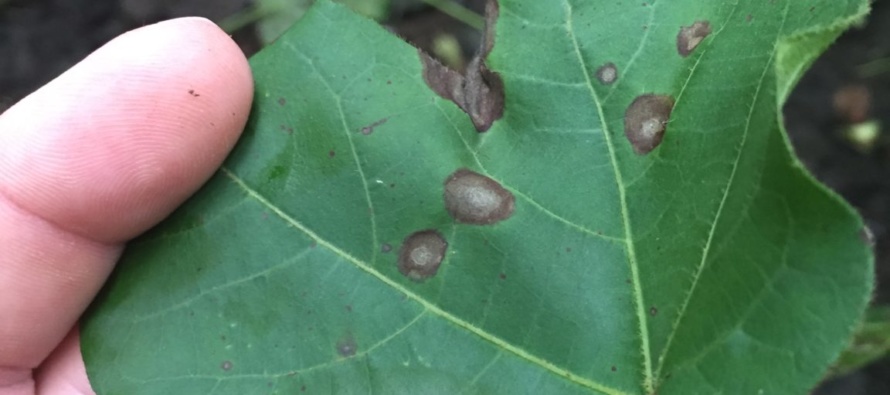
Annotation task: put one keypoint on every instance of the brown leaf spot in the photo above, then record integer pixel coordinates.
(385, 248)
(472, 198)
(193, 93)
(653, 311)
(331, 154)
(480, 92)
(645, 121)
(607, 73)
(421, 254)
(282, 101)
(226, 366)
(692, 35)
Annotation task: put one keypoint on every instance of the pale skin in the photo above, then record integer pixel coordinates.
(93, 159)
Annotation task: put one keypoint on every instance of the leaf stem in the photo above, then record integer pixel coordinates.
(245, 17)
(459, 12)
(874, 67)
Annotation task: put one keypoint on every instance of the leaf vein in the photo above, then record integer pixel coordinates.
(718, 215)
(628, 234)
(436, 310)
(525, 197)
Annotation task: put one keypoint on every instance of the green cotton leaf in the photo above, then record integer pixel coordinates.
(699, 258)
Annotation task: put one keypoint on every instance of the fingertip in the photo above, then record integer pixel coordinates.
(99, 155)
(64, 371)
(116, 143)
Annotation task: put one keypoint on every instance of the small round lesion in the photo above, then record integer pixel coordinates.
(346, 346)
(421, 254)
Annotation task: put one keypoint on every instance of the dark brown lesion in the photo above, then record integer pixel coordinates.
(421, 254)
(691, 36)
(472, 198)
(479, 92)
(645, 121)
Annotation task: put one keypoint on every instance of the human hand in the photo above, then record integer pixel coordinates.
(93, 159)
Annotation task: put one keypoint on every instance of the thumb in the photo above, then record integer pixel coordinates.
(96, 157)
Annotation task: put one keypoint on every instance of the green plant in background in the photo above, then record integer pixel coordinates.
(273, 17)
(871, 342)
(632, 222)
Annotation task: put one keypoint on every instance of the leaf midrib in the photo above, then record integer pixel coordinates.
(630, 247)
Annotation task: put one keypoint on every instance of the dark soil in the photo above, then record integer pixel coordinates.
(39, 39)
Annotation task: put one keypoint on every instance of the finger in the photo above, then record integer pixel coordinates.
(63, 372)
(98, 156)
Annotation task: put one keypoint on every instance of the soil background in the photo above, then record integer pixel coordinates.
(39, 39)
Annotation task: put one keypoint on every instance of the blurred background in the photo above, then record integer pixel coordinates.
(838, 116)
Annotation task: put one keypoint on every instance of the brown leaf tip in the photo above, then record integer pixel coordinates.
(607, 73)
(692, 35)
(421, 254)
(475, 199)
(645, 121)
